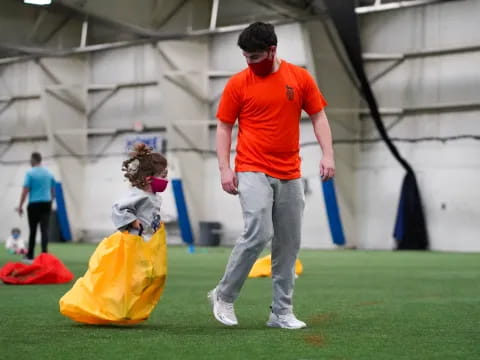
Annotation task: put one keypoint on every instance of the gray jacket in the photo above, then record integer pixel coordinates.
(137, 204)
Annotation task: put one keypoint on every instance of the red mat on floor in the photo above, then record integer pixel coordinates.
(45, 269)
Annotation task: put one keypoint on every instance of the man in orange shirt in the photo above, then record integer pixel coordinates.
(267, 98)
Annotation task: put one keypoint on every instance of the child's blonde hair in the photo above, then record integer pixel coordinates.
(143, 162)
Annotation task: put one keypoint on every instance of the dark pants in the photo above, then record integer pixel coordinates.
(38, 213)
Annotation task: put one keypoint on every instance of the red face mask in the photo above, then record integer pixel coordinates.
(158, 184)
(263, 67)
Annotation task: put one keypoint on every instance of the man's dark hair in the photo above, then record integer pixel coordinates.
(36, 158)
(258, 36)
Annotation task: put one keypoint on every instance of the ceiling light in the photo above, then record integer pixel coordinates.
(38, 2)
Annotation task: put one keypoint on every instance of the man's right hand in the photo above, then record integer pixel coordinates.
(229, 181)
(19, 210)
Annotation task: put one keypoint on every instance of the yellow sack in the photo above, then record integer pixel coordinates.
(263, 267)
(124, 281)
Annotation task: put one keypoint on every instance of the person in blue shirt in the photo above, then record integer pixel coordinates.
(39, 185)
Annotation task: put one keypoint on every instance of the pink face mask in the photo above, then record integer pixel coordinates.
(158, 184)
(263, 67)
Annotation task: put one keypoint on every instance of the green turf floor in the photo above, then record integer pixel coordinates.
(358, 305)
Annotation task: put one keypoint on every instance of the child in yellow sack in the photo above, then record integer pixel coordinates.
(127, 272)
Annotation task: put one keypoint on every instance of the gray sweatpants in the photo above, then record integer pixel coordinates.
(272, 210)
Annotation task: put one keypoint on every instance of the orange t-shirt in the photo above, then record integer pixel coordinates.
(268, 111)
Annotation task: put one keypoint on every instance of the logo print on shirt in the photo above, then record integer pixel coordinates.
(156, 222)
(290, 93)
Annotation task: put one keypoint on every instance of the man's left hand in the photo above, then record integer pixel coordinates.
(19, 210)
(327, 168)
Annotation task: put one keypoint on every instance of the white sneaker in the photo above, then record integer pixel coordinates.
(286, 321)
(222, 310)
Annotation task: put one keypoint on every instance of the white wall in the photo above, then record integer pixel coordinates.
(446, 172)
(22, 117)
(368, 179)
(125, 65)
(100, 181)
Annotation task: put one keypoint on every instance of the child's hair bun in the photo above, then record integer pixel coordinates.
(140, 150)
(142, 163)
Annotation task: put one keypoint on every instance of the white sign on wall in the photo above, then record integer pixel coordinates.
(154, 141)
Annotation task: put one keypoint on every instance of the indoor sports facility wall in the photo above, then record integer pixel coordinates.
(429, 100)
(80, 110)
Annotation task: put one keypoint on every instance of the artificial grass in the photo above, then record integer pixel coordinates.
(358, 305)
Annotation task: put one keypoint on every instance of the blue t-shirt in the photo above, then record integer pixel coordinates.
(39, 182)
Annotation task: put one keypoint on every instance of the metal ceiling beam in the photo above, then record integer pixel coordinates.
(378, 6)
(66, 97)
(83, 35)
(398, 59)
(178, 78)
(5, 107)
(413, 110)
(19, 98)
(112, 90)
(15, 59)
(421, 54)
(148, 35)
(27, 50)
(214, 14)
(34, 52)
(159, 35)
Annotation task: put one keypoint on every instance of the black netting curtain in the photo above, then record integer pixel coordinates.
(410, 229)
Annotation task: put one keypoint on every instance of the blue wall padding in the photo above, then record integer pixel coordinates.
(183, 219)
(62, 216)
(333, 212)
(399, 231)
